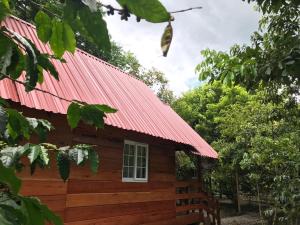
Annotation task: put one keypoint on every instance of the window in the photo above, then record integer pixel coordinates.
(135, 162)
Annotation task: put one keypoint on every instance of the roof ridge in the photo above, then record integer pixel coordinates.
(83, 51)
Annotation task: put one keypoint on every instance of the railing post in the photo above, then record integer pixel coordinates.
(218, 213)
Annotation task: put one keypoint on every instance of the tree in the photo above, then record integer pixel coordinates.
(260, 139)
(273, 58)
(201, 106)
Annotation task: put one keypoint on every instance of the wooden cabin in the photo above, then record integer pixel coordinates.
(136, 183)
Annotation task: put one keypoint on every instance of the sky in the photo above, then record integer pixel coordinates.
(219, 25)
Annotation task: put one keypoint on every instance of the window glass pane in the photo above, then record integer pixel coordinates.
(132, 148)
(126, 149)
(143, 172)
(131, 172)
(126, 160)
(143, 152)
(143, 162)
(138, 161)
(125, 172)
(131, 161)
(139, 173)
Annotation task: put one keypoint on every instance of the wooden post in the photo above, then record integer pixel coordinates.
(218, 213)
(238, 203)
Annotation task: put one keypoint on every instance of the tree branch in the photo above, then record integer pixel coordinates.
(184, 10)
(35, 88)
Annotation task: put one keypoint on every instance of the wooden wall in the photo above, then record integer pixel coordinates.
(89, 199)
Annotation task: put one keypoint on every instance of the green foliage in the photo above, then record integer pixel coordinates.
(261, 138)
(201, 107)
(272, 57)
(268, 6)
(90, 114)
(255, 135)
(63, 164)
(77, 154)
(185, 165)
(8, 177)
(43, 26)
(96, 27)
(14, 208)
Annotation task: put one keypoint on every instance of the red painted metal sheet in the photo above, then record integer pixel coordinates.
(89, 79)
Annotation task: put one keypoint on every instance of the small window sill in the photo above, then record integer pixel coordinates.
(131, 180)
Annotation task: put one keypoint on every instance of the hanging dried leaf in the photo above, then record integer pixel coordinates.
(167, 39)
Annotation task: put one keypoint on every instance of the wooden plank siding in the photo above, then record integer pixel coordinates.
(102, 198)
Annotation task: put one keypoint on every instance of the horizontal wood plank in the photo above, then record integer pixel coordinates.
(190, 196)
(188, 219)
(43, 187)
(94, 186)
(104, 211)
(135, 219)
(54, 202)
(76, 200)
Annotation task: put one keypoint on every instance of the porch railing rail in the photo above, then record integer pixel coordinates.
(193, 205)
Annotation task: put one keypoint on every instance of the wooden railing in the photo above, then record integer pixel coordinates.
(193, 205)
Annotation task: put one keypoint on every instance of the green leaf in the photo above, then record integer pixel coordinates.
(31, 73)
(40, 127)
(34, 153)
(78, 155)
(6, 59)
(90, 114)
(63, 164)
(96, 28)
(94, 160)
(10, 155)
(3, 102)
(151, 10)
(50, 216)
(56, 40)
(31, 62)
(44, 156)
(73, 114)
(69, 38)
(30, 207)
(4, 44)
(17, 66)
(43, 60)
(166, 39)
(33, 122)
(17, 124)
(8, 177)
(43, 26)
(3, 120)
(10, 215)
(106, 108)
(4, 9)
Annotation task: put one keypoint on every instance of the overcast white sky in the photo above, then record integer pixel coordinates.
(218, 25)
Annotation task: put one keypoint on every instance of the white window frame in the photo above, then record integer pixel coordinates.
(135, 179)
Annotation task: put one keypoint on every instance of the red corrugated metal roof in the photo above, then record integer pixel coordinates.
(89, 79)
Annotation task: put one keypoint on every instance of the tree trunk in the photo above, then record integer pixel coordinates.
(259, 202)
(238, 202)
